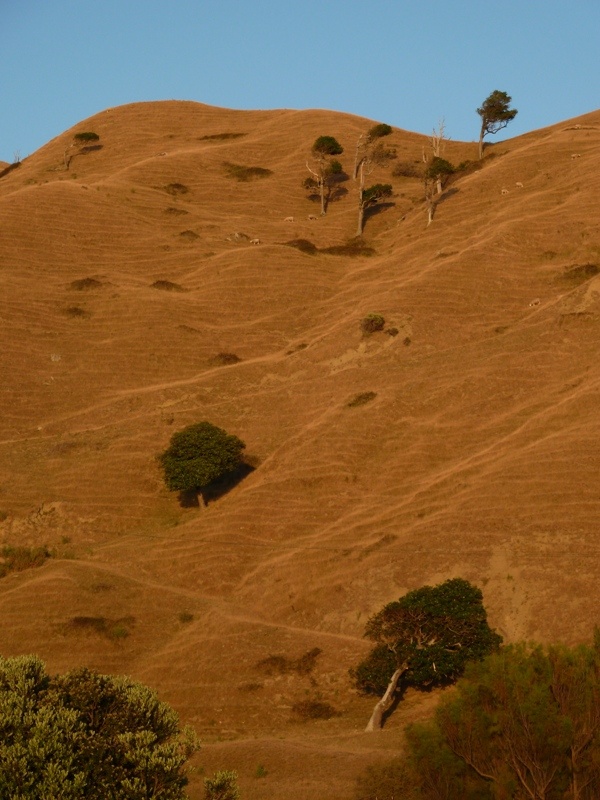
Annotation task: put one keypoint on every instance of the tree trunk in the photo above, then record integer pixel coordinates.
(386, 701)
(481, 135)
(361, 218)
(322, 185)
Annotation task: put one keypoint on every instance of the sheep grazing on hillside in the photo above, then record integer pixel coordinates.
(519, 185)
(254, 241)
(288, 219)
(504, 191)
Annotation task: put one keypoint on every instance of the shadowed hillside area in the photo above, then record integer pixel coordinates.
(176, 270)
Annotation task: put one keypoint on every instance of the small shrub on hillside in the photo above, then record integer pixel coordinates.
(190, 235)
(86, 136)
(225, 359)
(110, 628)
(281, 665)
(85, 283)
(580, 273)
(372, 323)
(379, 130)
(17, 559)
(184, 617)
(167, 286)
(242, 173)
(75, 311)
(172, 210)
(361, 399)
(382, 154)
(408, 169)
(176, 189)
(307, 710)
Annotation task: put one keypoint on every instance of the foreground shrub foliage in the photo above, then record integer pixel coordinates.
(523, 723)
(85, 735)
(199, 455)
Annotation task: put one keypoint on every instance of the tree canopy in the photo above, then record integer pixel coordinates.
(425, 639)
(198, 455)
(495, 114)
(327, 145)
(85, 735)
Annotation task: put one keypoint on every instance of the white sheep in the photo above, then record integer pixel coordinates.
(519, 185)
(504, 191)
(312, 217)
(254, 241)
(288, 219)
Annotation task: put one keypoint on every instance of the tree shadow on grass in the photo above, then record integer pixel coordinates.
(193, 498)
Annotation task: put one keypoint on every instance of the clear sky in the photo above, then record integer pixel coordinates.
(408, 63)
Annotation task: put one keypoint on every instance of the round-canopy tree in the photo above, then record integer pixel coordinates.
(199, 455)
(424, 639)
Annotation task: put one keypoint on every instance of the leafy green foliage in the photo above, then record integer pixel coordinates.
(16, 559)
(245, 174)
(84, 735)
(327, 145)
(432, 632)
(525, 722)
(223, 786)
(379, 130)
(199, 455)
(438, 168)
(375, 193)
(372, 323)
(86, 137)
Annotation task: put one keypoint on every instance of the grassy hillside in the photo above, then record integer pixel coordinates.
(122, 284)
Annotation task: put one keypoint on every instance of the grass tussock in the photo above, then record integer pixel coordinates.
(224, 359)
(242, 173)
(176, 189)
(361, 399)
(308, 710)
(84, 284)
(18, 559)
(281, 665)
(167, 286)
(102, 626)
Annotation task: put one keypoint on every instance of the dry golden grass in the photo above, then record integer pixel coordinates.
(476, 456)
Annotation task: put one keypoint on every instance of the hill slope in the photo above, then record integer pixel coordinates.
(122, 285)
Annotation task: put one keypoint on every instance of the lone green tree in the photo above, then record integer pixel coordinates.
(423, 639)
(495, 114)
(327, 170)
(198, 455)
(84, 141)
(85, 736)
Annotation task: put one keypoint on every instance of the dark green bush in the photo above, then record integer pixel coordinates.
(361, 399)
(244, 174)
(308, 710)
(327, 145)
(408, 169)
(379, 130)
(17, 559)
(86, 136)
(372, 323)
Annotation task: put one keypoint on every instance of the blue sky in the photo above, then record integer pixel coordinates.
(405, 62)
